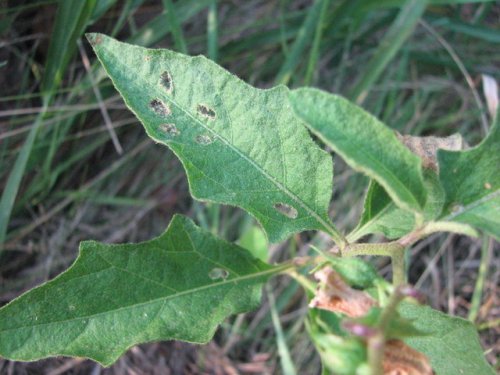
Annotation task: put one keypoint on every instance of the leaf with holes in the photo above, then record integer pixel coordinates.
(239, 145)
(106, 302)
(364, 143)
(471, 181)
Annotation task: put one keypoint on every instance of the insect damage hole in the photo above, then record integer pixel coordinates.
(166, 82)
(204, 139)
(170, 129)
(286, 210)
(218, 273)
(206, 111)
(159, 107)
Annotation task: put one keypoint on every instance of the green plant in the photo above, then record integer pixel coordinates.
(251, 148)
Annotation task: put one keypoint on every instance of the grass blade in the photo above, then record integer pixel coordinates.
(314, 55)
(180, 42)
(71, 19)
(398, 33)
(157, 28)
(474, 31)
(486, 249)
(284, 353)
(378, 4)
(11, 188)
(212, 32)
(303, 37)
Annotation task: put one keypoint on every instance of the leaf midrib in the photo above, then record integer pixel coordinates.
(166, 298)
(281, 187)
(371, 173)
(473, 205)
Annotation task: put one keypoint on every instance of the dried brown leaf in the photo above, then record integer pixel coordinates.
(426, 147)
(335, 295)
(400, 359)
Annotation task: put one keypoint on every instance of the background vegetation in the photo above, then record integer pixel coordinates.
(75, 164)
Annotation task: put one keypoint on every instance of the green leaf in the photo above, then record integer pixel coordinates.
(397, 327)
(239, 145)
(178, 286)
(364, 143)
(451, 343)
(355, 271)
(255, 241)
(339, 354)
(471, 181)
(381, 215)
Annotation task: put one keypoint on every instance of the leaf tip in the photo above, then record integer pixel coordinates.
(94, 38)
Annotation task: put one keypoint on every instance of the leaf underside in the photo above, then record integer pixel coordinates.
(471, 180)
(239, 145)
(364, 143)
(381, 215)
(451, 343)
(178, 286)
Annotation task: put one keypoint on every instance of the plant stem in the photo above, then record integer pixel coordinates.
(398, 267)
(486, 248)
(376, 346)
(379, 249)
(434, 227)
(394, 250)
(389, 310)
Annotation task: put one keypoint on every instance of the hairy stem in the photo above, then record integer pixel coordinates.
(376, 346)
(394, 250)
(398, 267)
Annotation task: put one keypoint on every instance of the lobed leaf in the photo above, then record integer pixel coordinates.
(239, 145)
(364, 143)
(179, 286)
(451, 343)
(471, 181)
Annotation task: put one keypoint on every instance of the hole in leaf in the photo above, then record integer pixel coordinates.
(286, 210)
(218, 273)
(170, 129)
(159, 107)
(204, 139)
(166, 81)
(206, 111)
